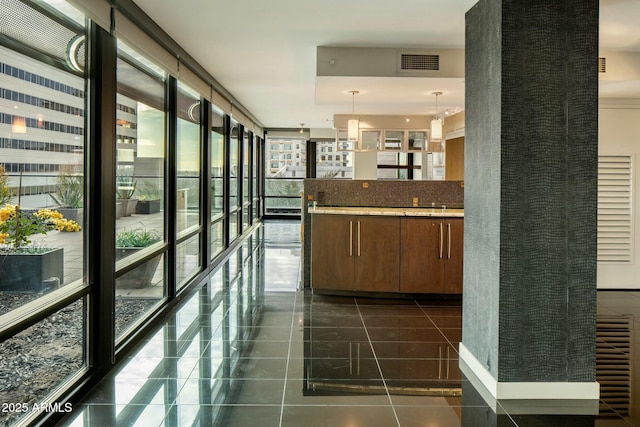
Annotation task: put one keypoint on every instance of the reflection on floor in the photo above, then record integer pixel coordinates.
(251, 349)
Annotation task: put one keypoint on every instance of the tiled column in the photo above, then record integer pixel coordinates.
(530, 197)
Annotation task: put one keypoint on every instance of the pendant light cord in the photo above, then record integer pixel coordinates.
(436, 94)
(353, 102)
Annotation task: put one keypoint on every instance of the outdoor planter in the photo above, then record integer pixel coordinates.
(121, 208)
(75, 214)
(31, 272)
(148, 206)
(131, 207)
(139, 277)
(128, 206)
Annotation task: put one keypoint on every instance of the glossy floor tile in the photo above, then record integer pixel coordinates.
(250, 348)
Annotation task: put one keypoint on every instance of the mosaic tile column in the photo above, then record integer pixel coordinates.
(531, 197)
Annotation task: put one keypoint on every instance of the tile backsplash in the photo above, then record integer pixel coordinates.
(378, 193)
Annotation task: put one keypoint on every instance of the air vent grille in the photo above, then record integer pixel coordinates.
(413, 62)
(613, 365)
(602, 65)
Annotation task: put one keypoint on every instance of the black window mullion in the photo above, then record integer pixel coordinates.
(205, 193)
(240, 174)
(250, 168)
(101, 195)
(262, 171)
(171, 184)
(311, 159)
(226, 186)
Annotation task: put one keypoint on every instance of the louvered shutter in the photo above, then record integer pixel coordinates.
(614, 208)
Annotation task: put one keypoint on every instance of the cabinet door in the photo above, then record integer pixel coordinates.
(332, 252)
(454, 255)
(377, 250)
(422, 269)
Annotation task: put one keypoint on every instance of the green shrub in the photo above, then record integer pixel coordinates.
(69, 189)
(6, 192)
(137, 238)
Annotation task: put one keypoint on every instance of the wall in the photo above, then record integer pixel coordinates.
(619, 133)
(365, 165)
(454, 160)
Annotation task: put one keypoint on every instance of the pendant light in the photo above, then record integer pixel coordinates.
(436, 124)
(301, 127)
(353, 124)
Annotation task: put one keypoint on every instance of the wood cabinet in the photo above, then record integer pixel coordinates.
(355, 253)
(432, 255)
(332, 252)
(387, 253)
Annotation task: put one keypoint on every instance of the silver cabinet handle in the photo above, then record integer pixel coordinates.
(448, 240)
(358, 238)
(440, 239)
(350, 238)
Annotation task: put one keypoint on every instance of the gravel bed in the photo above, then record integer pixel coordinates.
(35, 361)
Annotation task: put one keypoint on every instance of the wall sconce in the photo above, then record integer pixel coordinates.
(301, 127)
(436, 123)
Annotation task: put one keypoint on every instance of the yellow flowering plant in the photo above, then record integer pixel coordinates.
(18, 225)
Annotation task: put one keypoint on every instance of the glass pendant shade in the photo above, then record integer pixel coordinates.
(352, 129)
(436, 130)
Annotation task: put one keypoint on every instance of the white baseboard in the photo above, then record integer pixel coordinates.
(528, 390)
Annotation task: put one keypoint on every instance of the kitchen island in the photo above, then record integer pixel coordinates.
(386, 250)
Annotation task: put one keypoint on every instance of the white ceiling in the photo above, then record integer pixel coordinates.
(264, 51)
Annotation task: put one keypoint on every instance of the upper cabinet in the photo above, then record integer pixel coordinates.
(370, 139)
(416, 140)
(384, 140)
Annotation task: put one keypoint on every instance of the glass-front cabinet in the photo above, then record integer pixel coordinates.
(394, 140)
(343, 143)
(384, 140)
(370, 139)
(416, 140)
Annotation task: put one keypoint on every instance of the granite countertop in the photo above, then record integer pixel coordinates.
(344, 210)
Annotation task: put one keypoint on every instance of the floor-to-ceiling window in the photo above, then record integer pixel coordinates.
(43, 282)
(130, 141)
(332, 162)
(247, 148)
(255, 162)
(140, 184)
(188, 217)
(235, 199)
(285, 170)
(218, 214)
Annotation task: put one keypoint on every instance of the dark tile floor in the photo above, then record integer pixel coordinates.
(251, 349)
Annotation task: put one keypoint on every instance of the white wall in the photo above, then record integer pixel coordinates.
(619, 134)
(365, 165)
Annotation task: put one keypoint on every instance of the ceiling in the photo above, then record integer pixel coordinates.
(264, 52)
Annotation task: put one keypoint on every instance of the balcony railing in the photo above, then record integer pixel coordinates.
(282, 196)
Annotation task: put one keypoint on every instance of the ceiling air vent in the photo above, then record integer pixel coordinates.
(414, 62)
(602, 65)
